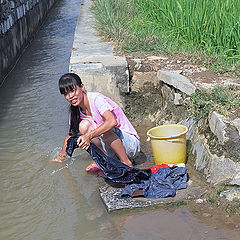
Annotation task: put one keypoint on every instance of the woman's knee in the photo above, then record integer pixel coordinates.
(85, 127)
(109, 136)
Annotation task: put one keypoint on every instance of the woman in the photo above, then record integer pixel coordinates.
(99, 120)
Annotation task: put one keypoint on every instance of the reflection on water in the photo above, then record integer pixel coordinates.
(44, 200)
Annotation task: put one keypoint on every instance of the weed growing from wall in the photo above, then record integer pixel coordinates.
(221, 99)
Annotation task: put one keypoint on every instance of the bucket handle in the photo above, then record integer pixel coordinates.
(175, 140)
(169, 140)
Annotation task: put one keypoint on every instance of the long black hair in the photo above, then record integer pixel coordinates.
(67, 83)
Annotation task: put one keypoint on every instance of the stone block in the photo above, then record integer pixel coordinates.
(236, 179)
(96, 78)
(167, 93)
(199, 150)
(218, 127)
(141, 79)
(221, 169)
(176, 80)
(178, 100)
(226, 131)
(236, 124)
(114, 64)
(216, 169)
(231, 195)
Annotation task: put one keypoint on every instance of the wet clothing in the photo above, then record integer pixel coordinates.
(113, 169)
(161, 184)
(142, 182)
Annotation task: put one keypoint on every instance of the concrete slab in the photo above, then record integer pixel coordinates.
(113, 201)
(111, 193)
(176, 80)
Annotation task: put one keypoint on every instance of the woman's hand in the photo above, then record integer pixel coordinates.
(84, 141)
(110, 121)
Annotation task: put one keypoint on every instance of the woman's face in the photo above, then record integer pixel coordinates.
(75, 97)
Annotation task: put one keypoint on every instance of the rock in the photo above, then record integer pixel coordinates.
(176, 80)
(221, 169)
(140, 79)
(216, 169)
(218, 127)
(205, 86)
(236, 124)
(154, 58)
(199, 201)
(231, 195)
(206, 215)
(236, 180)
(138, 63)
(178, 100)
(177, 71)
(111, 197)
(225, 131)
(167, 94)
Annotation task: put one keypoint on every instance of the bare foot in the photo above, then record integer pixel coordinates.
(60, 158)
(128, 163)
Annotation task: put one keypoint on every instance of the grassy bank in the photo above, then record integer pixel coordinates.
(208, 30)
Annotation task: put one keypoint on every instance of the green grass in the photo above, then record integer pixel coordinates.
(208, 28)
(232, 209)
(112, 18)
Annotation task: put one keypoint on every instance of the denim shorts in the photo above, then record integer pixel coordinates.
(129, 141)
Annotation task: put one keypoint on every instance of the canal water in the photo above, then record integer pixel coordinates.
(40, 199)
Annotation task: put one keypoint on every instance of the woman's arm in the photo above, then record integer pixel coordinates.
(62, 155)
(110, 122)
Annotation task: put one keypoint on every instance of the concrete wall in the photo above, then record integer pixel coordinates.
(93, 60)
(19, 19)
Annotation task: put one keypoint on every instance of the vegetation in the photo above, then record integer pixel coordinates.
(209, 28)
(213, 198)
(221, 99)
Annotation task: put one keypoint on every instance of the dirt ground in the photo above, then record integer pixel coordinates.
(200, 76)
(196, 73)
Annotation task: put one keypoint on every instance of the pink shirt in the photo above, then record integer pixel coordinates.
(100, 104)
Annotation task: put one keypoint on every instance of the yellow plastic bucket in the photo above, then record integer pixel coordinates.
(168, 143)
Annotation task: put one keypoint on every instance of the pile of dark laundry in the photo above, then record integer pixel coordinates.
(140, 182)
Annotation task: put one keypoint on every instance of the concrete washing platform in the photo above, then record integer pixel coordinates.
(111, 196)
